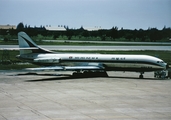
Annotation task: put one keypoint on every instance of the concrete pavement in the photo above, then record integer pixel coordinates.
(122, 96)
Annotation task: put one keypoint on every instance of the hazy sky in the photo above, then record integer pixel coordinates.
(129, 14)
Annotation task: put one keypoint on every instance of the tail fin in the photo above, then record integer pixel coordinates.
(27, 45)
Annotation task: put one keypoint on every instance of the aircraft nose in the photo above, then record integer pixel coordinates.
(165, 65)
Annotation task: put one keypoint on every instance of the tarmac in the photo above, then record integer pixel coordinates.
(47, 96)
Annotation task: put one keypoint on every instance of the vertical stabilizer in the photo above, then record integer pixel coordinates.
(27, 45)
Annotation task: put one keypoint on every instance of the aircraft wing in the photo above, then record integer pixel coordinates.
(66, 68)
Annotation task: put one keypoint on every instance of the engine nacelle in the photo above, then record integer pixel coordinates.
(47, 60)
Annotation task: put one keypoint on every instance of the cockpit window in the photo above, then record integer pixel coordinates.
(160, 62)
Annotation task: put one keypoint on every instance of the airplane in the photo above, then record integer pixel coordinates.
(85, 64)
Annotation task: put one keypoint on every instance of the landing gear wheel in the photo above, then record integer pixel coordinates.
(90, 74)
(141, 76)
(77, 74)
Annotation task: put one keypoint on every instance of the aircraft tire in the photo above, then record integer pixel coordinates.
(141, 76)
(90, 74)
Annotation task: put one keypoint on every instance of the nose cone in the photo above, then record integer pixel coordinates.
(165, 65)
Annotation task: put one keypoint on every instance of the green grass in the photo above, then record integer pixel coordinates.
(164, 55)
(16, 66)
(10, 42)
(83, 43)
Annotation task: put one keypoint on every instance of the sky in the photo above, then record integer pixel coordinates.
(127, 14)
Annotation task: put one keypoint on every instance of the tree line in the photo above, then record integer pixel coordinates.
(113, 34)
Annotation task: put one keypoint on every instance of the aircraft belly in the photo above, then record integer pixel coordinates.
(110, 66)
(131, 67)
(119, 66)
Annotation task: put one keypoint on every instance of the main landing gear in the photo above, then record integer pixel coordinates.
(101, 73)
(141, 75)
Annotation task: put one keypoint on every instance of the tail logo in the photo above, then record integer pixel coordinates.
(29, 43)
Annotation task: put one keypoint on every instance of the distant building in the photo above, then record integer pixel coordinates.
(6, 27)
(55, 28)
(92, 28)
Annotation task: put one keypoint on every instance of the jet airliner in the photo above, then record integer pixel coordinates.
(85, 64)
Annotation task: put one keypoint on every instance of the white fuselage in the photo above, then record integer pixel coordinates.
(139, 63)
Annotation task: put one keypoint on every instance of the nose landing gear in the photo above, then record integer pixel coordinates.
(141, 75)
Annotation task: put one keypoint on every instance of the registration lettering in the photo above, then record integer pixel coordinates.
(87, 58)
